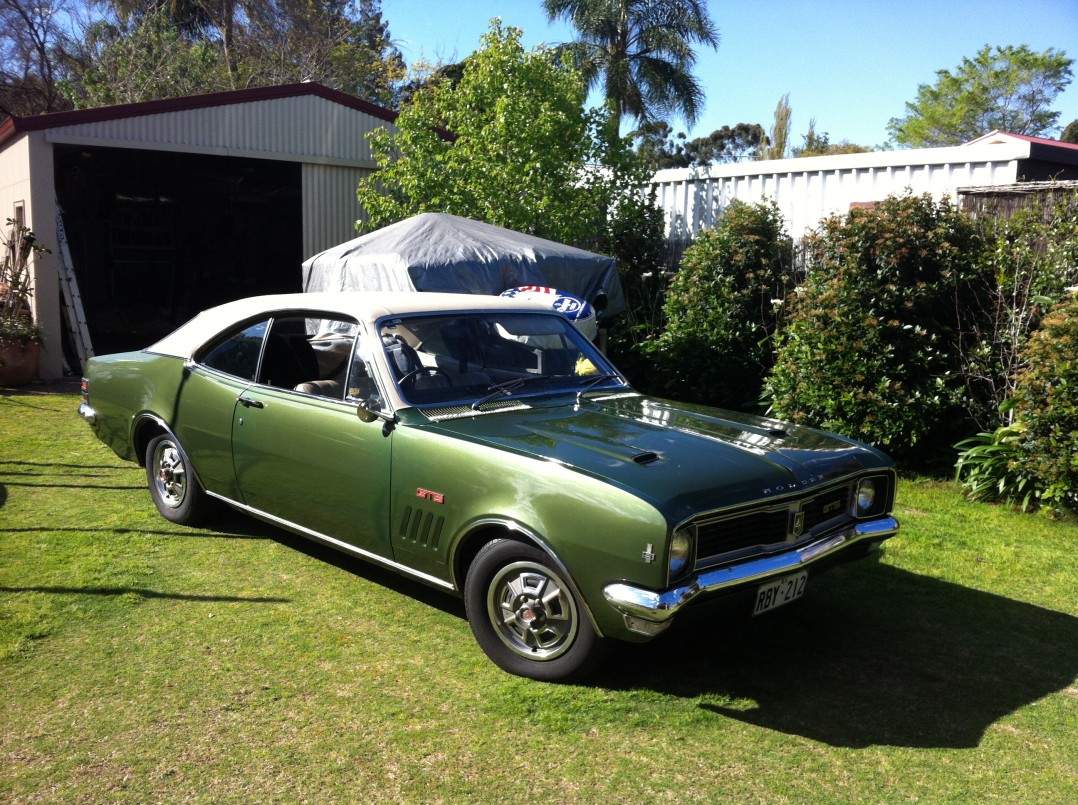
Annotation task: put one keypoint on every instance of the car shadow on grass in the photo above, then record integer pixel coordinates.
(441, 600)
(873, 655)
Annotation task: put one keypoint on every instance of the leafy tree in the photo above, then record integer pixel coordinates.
(423, 73)
(727, 144)
(1070, 134)
(285, 41)
(189, 16)
(1007, 88)
(30, 34)
(510, 144)
(137, 58)
(643, 51)
(774, 147)
(656, 144)
(146, 49)
(820, 145)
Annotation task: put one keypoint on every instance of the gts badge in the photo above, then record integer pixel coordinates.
(433, 497)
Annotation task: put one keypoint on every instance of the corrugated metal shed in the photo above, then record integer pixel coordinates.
(214, 142)
(808, 189)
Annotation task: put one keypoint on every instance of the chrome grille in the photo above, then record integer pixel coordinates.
(766, 526)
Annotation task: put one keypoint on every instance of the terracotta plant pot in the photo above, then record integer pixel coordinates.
(18, 361)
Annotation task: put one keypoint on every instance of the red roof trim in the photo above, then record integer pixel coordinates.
(1041, 140)
(15, 125)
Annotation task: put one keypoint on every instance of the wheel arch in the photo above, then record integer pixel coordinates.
(485, 531)
(145, 429)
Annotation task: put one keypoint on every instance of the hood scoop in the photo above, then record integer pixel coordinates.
(645, 458)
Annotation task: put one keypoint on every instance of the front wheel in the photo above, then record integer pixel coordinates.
(173, 487)
(526, 617)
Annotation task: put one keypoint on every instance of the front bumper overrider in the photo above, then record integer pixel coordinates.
(649, 612)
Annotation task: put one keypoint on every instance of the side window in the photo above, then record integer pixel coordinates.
(238, 353)
(309, 354)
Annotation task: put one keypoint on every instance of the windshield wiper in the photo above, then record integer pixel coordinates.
(592, 382)
(504, 389)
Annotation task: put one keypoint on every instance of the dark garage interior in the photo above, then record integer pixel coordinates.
(157, 236)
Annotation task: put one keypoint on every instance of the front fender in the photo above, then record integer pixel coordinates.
(446, 489)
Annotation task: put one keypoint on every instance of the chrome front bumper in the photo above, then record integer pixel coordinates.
(649, 611)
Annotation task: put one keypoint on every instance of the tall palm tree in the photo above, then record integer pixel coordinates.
(643, 51)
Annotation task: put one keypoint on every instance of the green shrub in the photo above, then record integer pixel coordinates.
(1046, 404)
(1033, 257)
(635, 236)
(722, 310)
(990, 468)
(875, 341)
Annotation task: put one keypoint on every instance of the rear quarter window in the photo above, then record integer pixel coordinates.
(237, 354)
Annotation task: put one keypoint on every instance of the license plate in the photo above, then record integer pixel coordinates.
(780, 591)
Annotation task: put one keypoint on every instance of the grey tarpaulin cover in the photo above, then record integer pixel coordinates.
(440, 252)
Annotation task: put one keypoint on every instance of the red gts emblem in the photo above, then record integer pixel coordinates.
(433, 497)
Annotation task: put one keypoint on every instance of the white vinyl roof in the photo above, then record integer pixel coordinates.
(366, 307)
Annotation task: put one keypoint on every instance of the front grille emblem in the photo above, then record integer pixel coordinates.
(797, 524)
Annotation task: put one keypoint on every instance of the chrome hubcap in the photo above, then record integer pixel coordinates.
(532, 611)
(171, 475)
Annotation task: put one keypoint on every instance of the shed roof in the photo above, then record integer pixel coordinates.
(294, 122)
(16, 125)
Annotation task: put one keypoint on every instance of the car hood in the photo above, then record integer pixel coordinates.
(683, 459)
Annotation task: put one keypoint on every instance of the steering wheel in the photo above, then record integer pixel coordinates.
(434, 371)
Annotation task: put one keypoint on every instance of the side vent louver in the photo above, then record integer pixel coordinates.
(421, 528)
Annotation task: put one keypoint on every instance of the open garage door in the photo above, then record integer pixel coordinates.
(158, 236)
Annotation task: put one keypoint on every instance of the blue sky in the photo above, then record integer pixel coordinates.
(850, 64)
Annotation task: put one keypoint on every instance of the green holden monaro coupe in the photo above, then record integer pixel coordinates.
(483, 445)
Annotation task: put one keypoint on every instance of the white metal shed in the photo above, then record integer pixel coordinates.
(160, 197)
(808, 189)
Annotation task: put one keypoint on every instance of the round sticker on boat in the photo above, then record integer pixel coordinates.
(579, 312)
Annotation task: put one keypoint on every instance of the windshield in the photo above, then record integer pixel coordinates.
(476, 358)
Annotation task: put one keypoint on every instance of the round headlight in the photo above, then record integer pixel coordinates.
(866, 497)
(680, 552)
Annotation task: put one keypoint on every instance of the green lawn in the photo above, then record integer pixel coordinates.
(145, 662)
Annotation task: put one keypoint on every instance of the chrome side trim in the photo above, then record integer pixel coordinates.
(334, 543)
(660, 606)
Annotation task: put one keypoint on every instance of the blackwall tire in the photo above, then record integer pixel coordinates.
(526, 617)
(173, 486)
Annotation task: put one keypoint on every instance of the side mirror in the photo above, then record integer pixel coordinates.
(368, 413)
(365, 413)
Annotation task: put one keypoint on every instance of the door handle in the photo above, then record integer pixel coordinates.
(247, 402)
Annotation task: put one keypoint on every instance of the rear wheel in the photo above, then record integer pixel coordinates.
(173, 487)
(526, 617)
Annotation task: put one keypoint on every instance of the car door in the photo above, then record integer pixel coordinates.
(203, 416)
(308, 460)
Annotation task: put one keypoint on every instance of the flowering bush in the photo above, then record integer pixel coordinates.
(875, 339)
